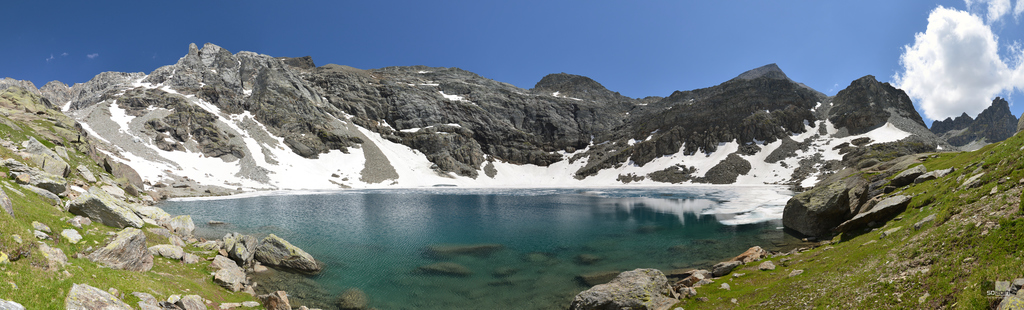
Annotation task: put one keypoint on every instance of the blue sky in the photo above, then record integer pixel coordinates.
(638, 48)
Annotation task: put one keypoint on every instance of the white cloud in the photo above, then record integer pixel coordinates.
(49, 59)
(93, 55)
(64, 54)
(955, 67)
(996, 8)
(1018, 9)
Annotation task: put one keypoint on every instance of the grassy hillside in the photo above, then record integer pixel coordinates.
(952, 262)
(24, 278)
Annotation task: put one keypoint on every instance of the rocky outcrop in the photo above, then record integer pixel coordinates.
(241, 248)
(817, 211)
(191, 302)
(45, 158)
(275, 301)
(274, 251)
(127, 251)
(99, 206)
(85, 297)
(636, 289)
(28, 175)
(908, 176)
(181, 225)
(228, 275)
(868, 104)
(886, 208)
(995, 123)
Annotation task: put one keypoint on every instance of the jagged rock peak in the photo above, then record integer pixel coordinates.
(771, 71)
(575, 86)
(27, 85)
(867, 104)
(958, 123)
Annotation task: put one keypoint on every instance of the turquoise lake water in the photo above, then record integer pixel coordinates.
(374, 240)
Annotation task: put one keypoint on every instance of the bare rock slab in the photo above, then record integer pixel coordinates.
(85, 297)
(274, 251)
(636, 289)
(127, 251)
(101, 207)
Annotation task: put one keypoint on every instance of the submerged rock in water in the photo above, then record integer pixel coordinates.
(353, 299)
(595, 278)
(587, 259)
(443, 251)
(636, 289)
(445, 269)
(274, 251)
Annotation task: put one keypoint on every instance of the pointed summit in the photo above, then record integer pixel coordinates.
(771, 71)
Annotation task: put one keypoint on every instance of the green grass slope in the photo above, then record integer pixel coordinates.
(24, 279)
(952, 262)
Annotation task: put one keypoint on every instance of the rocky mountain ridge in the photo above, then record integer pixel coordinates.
(995, 123)
(224, 122)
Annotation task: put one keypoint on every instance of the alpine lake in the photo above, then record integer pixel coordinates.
(497, 248)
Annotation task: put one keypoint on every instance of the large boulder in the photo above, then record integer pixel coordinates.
(181, 225)
(275, 301)
(274, 251)
(24, 174)
(228, 274)
(86, 174)
(85, 297)
(151, 215)
(45, 158)
(55, 258)
(752, 254)
(885, 208)
(127, 251)
(640, 289)
(191, 302)
(240, 248)
(101, 207)
(908, 176)
(49, 196)
(724, 268)
(168, 251)
(817, 211)
(10, 305)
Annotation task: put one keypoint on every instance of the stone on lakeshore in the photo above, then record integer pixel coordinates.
(353, 299)
(636, 289)
(191, 302)
(228, 274)
(85, 297)
(221, 262)
(752, 254)
(596, 278)
(275, 301)
(817, 211)
(240, 248)
(10, 305)
(55, 258)
(886, 208)
(724, 268)
(445, 269)
(127, 251)
(71, 235)
(209, 245)
(101, 207)
(168, 251)
(274, 251)
(152, 215)
(695, 277)
(766, 265)
(181, 225)
(442, 251)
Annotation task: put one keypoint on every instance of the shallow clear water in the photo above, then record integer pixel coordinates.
(373, 240)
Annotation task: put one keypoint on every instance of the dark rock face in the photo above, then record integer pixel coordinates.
(867, 104)
(996, 123)
(817, 211)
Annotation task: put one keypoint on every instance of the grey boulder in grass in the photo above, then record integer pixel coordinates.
(274, 251)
